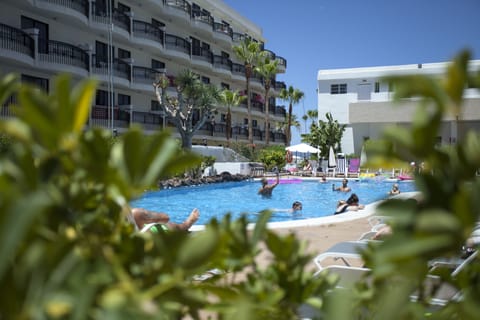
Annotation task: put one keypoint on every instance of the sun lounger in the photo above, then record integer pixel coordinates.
(353, 168)
(341, 251)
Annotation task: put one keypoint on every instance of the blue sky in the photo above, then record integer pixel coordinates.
(330, 34)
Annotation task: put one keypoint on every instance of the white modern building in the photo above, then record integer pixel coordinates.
(127, 45)
(358, 98)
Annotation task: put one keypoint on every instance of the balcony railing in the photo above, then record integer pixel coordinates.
(173, 42)
(200, 53)
(145, 75)
(77, 5)
(147, 30)
(238, 69)
(180, 5)
(206, 19)
(221, 28)
(281, 61)
(63, 53)
(238, 37)
(222, 63)
(119, 18)
(16, 40)
(121, 69)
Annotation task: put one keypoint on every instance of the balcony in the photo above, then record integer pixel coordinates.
(223, 34)
(202, 58)
(151, 35)
(74, 8)
(16, 44)
(203, 24)
(180, 10)
(179, 48)
(64, 54)
(282, 64)
(121, 70)
(222, 65)
(237, 38)
(119, 20)
(143, 78)
(238, 72)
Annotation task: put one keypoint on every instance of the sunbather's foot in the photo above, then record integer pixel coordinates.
(193, 217)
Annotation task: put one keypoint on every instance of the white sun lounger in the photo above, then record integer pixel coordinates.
(341, 251)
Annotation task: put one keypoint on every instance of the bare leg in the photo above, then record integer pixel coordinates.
(185, 225)
(143, 216)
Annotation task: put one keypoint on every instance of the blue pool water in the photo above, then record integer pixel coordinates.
(215, 200)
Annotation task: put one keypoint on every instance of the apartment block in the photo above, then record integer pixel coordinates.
(127, 45)
(360, 99)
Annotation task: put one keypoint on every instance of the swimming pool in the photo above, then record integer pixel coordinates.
(215, 200)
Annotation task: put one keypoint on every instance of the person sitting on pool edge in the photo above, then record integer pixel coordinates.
(352, 204)
(343, 188)
(266, 189)
(143, 217)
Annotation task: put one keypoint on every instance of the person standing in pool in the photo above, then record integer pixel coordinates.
(343, 188)
(266, 189)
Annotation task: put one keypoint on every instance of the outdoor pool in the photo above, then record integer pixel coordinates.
(215, 200)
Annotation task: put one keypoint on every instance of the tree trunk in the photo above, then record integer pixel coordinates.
(228, 129)
(248, 73)
(289, 126)
(267, 118)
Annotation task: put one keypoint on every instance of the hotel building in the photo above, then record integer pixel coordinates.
(42, 38)
(358, 98)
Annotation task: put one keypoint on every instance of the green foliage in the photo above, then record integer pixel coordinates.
(67, 251)
(437, 225)
(273, 156)
(325, 134)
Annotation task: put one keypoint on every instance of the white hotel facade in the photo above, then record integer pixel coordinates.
(40, 39)
(358, 98)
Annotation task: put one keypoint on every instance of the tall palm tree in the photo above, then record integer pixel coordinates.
(230, 99)
(267, 69)
(249, 52)
(293, 96)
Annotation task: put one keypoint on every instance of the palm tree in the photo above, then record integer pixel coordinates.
(193, 96)
(230, 99)
(293, 96)
(282, 126)
(267, 69)
(249, 52)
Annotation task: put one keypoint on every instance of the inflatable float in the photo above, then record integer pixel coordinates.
(286, 181)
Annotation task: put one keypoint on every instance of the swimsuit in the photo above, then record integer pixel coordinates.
(342, 209)
(158, 228)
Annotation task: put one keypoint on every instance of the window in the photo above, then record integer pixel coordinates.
(224, 86)
(29, 23)
(157, 64)
(377, 86)
(101, 98)
(123, 99)
(155, 105)
(101, 52)
(223, 117)
(206, 80)
(338, 88)
(123, 54)
(42, 83)
(157, 23)
(123, 8)
(254, 123)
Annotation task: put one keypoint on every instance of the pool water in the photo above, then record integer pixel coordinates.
(215, 200)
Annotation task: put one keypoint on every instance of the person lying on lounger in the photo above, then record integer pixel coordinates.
(352, 204)
(143, 217)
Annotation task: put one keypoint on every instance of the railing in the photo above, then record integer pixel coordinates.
(121, 69)
(279, 85)
(146, 30)
(238, 37)
(77, 5)
(16, 40)
(270, 54)
(200, 53)
(221, 28)
(180, 5)
(238, 69)
(176, 43)
(145, 75)
(222, 63)
(280, 111)
(281, 61)
(119, 18)
(207, 19)
(63, 53)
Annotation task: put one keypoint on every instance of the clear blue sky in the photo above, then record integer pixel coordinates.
(330, 34)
